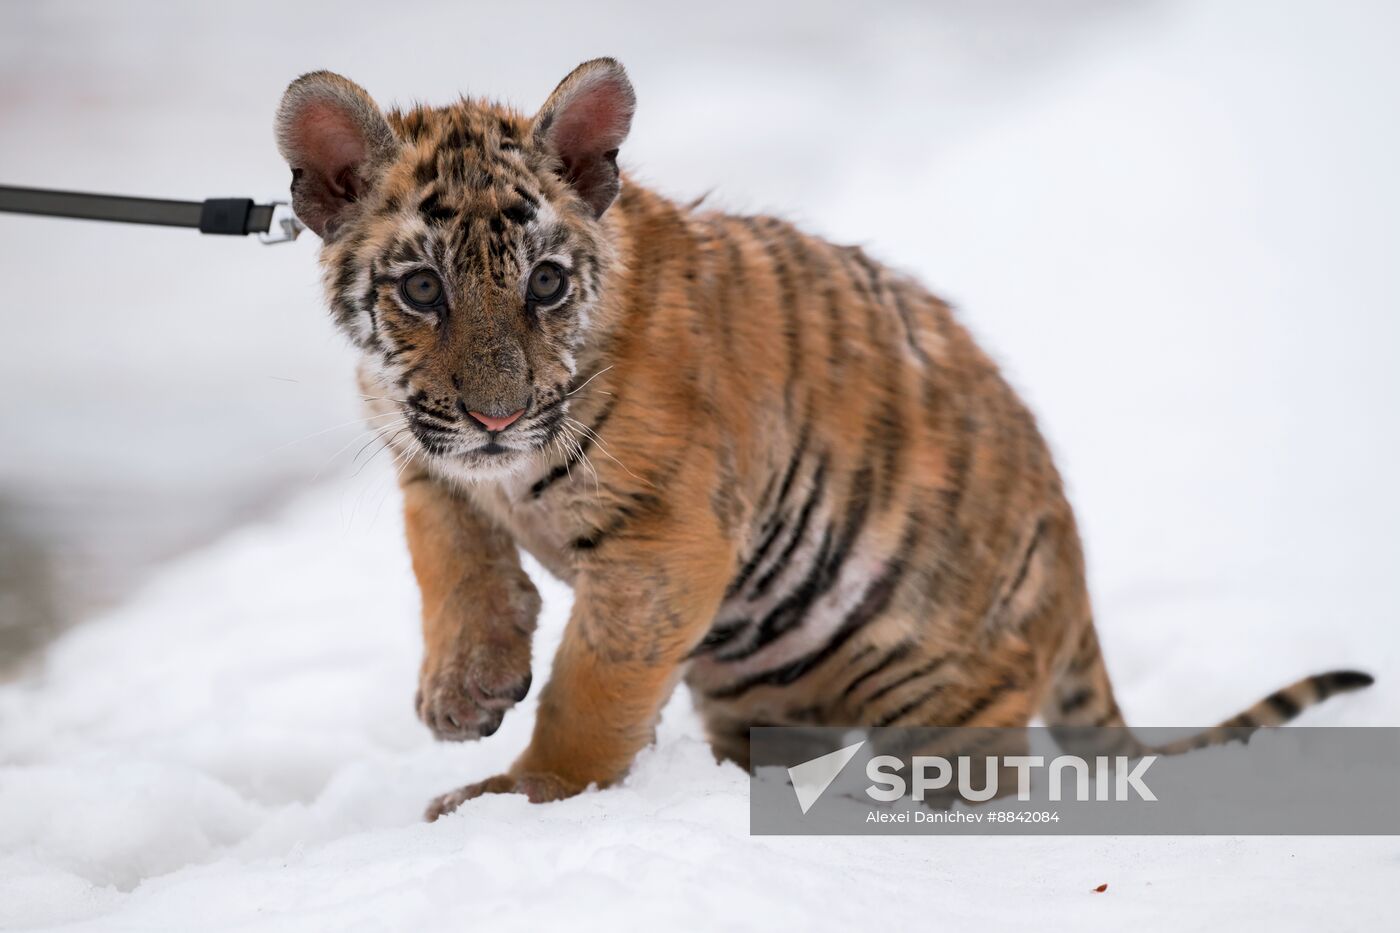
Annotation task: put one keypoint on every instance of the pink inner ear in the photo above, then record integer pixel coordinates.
(593, 121)
(328, 143)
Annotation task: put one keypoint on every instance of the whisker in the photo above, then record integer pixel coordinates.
(578, 449)
(331, 459)
(401, 461)
(588, 380)
(378, 435)
(372, 456)
(364, 488)
(598, 441)
(334, 427)
(404, 461)
(558, 450)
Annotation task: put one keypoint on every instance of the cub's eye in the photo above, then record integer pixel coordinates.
(547, 282)
(422, 290)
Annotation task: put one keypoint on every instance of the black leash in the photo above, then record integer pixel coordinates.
(273, 223)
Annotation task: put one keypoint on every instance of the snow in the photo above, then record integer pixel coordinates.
(1174, 224)
(235, 747)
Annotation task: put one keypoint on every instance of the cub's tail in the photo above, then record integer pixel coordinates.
(1082, 701)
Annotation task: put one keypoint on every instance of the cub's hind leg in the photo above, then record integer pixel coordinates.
(729, 739)
(965, 711)
(896, 686)
(951, 690)
(807, 685)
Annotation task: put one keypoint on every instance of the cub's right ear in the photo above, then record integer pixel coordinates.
(337, 141)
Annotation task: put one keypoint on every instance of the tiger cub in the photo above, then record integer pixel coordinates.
(767, 465)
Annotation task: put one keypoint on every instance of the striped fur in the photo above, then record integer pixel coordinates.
(767, 464)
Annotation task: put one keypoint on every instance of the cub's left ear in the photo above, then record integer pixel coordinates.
(584, 123)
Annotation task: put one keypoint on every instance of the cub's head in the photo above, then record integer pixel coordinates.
(463, 251)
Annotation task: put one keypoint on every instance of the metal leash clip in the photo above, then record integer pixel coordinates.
(283, 226)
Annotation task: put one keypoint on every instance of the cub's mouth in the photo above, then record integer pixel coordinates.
(483, 440)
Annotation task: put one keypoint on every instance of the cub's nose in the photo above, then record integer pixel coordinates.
(493, 423)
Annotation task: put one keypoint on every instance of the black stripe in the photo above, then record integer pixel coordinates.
(752, 563)
(584, 443)
(982, 703)
(718, 636)
(519, 214)
(432, 208)
(959, 466)
(768, 486)
(895, 715)
(788, 614)
(894, 656)
(774, 523)
(873, 287)
(1283, 704)
(369, 303)
(418, 402)
(908, 677)
(836, 332)
(544, 425)
(793, 464)
(909, 332)
(1077, 700)
(413, 124)
(459, 136)
(640, 504)
(723, 307)
(347, 271)
(886, 434)
(798, 531)
(864, 652)
(787, 300)
(857, 511)
(873, 602)
(1086, 653)
(1024, 569)
(826, 570)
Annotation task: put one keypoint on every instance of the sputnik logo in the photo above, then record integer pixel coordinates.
(811, 778)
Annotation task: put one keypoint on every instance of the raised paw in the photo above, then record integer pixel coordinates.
(537, 787)
(466, 696)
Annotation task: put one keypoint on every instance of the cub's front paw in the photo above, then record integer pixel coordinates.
(537, 786)
(466, 696)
